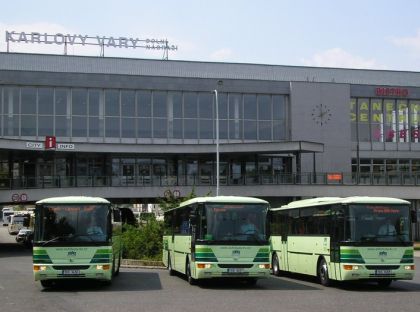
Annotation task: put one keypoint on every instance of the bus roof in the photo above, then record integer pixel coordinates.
(224, 199)
(319, 201)
(73, 200)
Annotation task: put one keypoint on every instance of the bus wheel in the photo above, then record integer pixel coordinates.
(117, 271)
(113, 271)
(275, 265)
(190, 279)
(170, 269)
(46, 283)
(384, 283)
(323, 276)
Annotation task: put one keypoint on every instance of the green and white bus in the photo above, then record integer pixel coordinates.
(76, 237)
(343, 239)
(215, 237)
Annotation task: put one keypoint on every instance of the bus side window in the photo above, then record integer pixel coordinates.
(182, 220)
(168, 223)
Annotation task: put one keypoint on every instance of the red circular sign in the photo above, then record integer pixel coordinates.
(15, 197)
(23, 197)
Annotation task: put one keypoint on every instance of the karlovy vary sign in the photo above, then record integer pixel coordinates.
(77, 39)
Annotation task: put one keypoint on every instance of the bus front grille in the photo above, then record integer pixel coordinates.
(71, 267)
(382, 267)
(381, 275)
(235, 266)
(235, 274)
(71, 276)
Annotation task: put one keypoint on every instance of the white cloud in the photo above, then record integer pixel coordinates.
(337, 57)
(411, 43)
(221, 55)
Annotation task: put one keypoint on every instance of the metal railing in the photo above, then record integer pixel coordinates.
(401, 178)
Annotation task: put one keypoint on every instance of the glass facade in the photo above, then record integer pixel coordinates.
(85, 113)
(385, 120)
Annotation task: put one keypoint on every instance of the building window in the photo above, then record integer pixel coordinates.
(99, 113)
(79, 102)
(28, 125)
(128, 127)
(46, 101)
(28, 100)
(79, 126)
(160, 108)
(144, 104)
(112, 127)
(112, 103)
(128, 103)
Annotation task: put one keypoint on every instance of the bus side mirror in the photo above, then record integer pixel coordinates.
(414, 216)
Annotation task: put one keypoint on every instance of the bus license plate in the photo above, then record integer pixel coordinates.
(235, 270)
(71, 272)
(383, 272)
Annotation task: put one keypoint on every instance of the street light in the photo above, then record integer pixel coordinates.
(217, 142)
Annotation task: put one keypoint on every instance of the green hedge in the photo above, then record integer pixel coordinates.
(143, 242)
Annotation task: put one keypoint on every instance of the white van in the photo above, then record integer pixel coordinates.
(16, 223)
(6, 216)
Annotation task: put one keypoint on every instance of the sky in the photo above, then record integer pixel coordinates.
(369, 34)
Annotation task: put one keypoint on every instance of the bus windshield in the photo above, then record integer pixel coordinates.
(235, 222)
(378, 223)
(60, 223)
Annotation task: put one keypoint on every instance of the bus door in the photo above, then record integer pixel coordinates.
(195, 218)
(193, 228)
(284, 261)
(336, 235)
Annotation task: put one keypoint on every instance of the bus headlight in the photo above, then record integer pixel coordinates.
(40, 268)
(410, 267)
(350, 267)
(203, 265)
(103, 267)
(264, 266)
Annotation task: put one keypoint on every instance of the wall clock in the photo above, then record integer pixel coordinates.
(321, 114)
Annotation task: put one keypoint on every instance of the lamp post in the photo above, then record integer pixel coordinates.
(217, 143)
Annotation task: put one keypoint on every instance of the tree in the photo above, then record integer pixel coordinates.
(171, 201)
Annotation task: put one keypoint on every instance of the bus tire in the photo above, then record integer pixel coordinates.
(170, 269)
(117, 271)
(191, 280)
(323, 275)
(275, 265)
(113, 271)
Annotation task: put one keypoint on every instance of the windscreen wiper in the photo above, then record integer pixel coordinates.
(54, 239)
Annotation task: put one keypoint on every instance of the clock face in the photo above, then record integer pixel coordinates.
(321, 114)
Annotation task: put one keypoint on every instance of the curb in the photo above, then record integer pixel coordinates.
(132, 263)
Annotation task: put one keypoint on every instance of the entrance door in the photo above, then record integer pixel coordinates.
(236, 172)
(128, 171)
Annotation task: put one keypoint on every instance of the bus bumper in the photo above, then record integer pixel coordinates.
(96, 271)
(217, 270)
(377, 272)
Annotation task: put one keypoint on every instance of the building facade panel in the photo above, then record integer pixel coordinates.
(131, 129)
(320, 113)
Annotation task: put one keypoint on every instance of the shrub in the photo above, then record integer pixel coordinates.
(144, 242)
